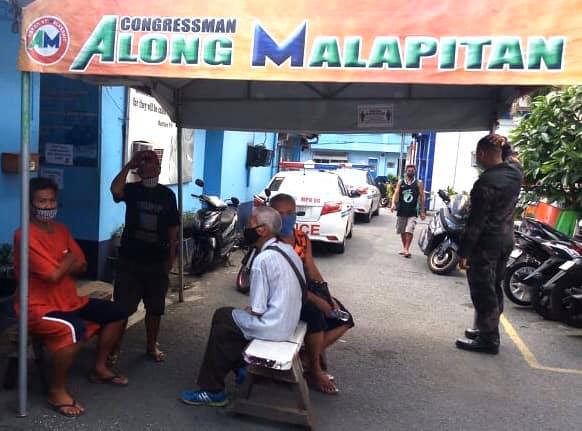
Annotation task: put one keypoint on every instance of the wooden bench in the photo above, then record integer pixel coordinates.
(276, 362)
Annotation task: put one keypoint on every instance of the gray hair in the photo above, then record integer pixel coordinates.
(269, 217)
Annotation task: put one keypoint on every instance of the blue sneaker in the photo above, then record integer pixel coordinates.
(204, 398)
(240, 375)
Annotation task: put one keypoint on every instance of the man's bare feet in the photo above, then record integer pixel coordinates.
(322, 383)
(62, 402)
(155, 354)
(105, 375)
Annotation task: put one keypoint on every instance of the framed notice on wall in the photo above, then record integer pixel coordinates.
(150, 128)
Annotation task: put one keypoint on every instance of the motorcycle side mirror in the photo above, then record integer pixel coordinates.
(199, 182)
(300, 213)
(235, 201)
(267, 192)
(444, 196)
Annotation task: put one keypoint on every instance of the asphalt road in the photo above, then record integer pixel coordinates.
(397, 369)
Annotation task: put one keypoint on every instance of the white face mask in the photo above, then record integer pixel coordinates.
(44, 214)
(150, 183)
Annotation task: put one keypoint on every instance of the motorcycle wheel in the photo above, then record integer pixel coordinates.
(542, 302)
(561, 307)
(512, 287)
(201, 261)
(442, 265)
(384, 202)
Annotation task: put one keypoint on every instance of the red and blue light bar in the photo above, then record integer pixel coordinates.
(320, 166)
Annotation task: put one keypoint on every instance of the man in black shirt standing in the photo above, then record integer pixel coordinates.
(148, 243)
(409, 199)
(488, 241)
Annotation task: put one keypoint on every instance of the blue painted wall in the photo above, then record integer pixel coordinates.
(360, 148)
(374, 142)
(237, 180)
(213, 162)
(69, 114)
(111, 215)
(10, 80)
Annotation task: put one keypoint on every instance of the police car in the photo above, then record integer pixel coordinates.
(367, 204)
(325, 207)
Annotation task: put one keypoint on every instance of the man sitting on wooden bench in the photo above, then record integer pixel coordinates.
(273, 314)
(57, 315)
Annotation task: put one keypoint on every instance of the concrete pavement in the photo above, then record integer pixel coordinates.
(397, 369)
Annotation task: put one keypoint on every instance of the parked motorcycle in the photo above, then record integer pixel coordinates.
(440, 241)
(525, 287)
(213, 231)
(566, 293)
(382, 184)
(535, 243)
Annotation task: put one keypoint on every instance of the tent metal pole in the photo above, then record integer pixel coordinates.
(180, 211)
(24, 221)
(400, 170)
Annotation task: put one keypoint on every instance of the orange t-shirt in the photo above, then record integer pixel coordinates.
(300, 245)
(45, 253)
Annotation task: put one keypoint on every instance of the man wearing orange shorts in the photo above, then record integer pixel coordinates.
(56, 313)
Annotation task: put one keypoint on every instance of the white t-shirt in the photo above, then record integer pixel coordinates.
(275, 294)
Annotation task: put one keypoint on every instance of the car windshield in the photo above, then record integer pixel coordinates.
(315, 183)
(353, 177)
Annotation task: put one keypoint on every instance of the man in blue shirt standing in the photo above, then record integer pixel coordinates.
(273, 313)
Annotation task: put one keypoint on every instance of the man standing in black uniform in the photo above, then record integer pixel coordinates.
(488, 241)
(409, 199)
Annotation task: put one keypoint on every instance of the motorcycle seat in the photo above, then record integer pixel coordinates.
(227, 217)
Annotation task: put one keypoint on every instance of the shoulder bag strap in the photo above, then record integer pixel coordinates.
(301, 280)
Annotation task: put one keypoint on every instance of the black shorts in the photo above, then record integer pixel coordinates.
(137, 281)
(97, 311)
(316, 320)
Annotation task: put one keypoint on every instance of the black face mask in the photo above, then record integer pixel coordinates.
(250, 235)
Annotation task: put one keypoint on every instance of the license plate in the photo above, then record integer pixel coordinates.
(516, 253)
(567, 265)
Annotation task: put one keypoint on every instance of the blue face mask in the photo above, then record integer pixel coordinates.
(288, 224)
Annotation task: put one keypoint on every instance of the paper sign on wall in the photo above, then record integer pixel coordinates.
(59, 154)
(57, 175)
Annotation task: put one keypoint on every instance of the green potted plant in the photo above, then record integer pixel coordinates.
(549, 142)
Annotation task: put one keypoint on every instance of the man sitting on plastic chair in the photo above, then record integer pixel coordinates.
(273, 313)
(57, 315)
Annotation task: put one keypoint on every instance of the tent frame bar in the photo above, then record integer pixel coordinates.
(24, 229)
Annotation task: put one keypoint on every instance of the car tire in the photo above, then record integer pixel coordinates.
(339, 248)
(377, 212)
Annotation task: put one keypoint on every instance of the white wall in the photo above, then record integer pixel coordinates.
(452, 162)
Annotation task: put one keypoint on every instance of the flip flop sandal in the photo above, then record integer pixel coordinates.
(408, 256)
(60, 409)
(316, 385)
(401, 253)
(115, 380)
(158, 356)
